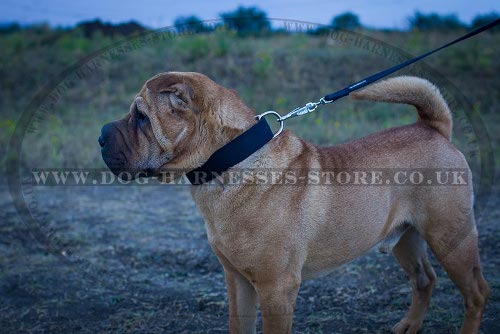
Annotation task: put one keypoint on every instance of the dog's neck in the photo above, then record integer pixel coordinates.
(278, 153)
(232, 153)
(234, 118)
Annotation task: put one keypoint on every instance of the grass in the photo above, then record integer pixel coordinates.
(278, 72)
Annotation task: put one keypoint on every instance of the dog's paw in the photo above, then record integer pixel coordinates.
(407, 326)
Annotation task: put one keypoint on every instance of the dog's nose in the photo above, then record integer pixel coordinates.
(106, 133)
(101, 141)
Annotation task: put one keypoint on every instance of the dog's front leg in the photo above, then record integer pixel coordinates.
(277, 303)
(242, 303)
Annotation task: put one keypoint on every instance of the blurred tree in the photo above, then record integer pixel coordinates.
(247, 21)
(433, 21)
(8, 28)
(109, 29)
(348, 21)
(190, 24)
(481, 20)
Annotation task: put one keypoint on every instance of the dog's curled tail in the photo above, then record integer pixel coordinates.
(431, 106)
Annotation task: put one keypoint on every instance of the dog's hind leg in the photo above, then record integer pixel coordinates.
(411, 253)
(453, 239)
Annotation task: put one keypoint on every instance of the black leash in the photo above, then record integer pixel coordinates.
(258, 135)
(311, 106)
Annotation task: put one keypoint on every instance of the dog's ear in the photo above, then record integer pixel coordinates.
(162, 83)
(171, 82)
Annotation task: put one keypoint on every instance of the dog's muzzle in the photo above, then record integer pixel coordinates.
(111, 145)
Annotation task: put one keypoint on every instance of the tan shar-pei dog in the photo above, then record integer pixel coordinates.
(270, 237)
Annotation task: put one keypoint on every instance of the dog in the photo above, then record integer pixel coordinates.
(271, 237)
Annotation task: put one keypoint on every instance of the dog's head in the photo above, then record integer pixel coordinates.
(174, 124)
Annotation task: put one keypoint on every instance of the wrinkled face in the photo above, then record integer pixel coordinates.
(174, 124)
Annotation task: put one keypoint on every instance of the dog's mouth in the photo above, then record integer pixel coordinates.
(116, 162)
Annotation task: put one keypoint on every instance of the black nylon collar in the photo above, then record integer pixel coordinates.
(232, 153)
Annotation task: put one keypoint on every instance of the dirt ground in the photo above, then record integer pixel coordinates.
(140, 263)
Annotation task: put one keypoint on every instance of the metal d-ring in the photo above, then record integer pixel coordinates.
(278, 118)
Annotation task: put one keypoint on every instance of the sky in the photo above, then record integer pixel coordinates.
(162, 13)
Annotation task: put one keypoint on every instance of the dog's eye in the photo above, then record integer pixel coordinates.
(179, 98)
(141, 116)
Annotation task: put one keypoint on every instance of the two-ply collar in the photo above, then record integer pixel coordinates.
(232, 153)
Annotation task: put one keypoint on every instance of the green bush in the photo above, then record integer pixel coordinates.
(348, 21)
(247, 21)
(433, 21)
(484, 19)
